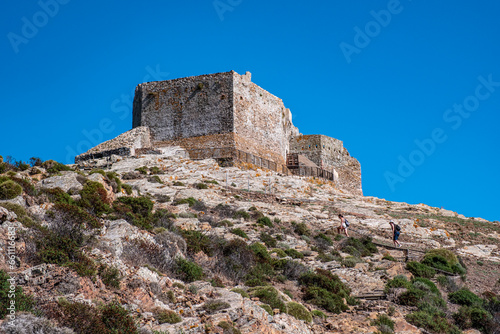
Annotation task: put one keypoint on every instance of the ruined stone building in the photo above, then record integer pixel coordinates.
(227, 117)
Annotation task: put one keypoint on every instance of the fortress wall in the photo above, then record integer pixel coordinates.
(329, 153)
(185, 107)
(262, 124)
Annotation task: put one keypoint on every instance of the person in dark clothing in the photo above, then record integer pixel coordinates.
(395, 234)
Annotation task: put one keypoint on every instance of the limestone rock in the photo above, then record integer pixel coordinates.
(66, 181)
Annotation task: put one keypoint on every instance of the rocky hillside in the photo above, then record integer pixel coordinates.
(163, 244)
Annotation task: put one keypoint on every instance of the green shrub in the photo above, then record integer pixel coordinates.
(143, 170)
(27, 186)
(472, 317)
(384, 323)
(265, 221)
(260, 252)
(294, 254)
(155, 179)
(268, 309)
(54, 167)
(214, 305)
(359, 247)
(190, 201)
(178, 184)
(398, 281)
(267, 239)
(94, 198)
(9, 190)
(211, 181)
(319, 314)
(350, 261)
(324, 239)
(239, 232)
(128, 189)
(242, 292)
(136, 210)
(201, 186)
(436, 323)
(110, 318)
(298, 311)
(76, 215)
(22, 215)
(269, 295)
(22, 301)
(279, 252)
(447, 254)
(431, 286)
(110, 276)
(389, 257)
(57, 195)
(420, 270)
(241, 214)
(187, 270)
(301, 229)
(465, 297)
(167, 316)
(197, 241)
(228, 328)
(115, 181)
(324, 289)
(155, 170)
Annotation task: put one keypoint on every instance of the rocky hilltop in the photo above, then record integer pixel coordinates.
(163, 244)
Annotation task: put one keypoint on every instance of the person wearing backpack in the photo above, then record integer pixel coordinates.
(344, 224)
(396, 231)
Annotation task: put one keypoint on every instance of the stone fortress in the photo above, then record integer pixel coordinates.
(225, 116)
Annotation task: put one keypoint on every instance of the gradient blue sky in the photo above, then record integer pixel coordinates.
(67, 84)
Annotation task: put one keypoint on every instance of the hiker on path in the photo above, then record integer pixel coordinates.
(395, 233)
(343, 225)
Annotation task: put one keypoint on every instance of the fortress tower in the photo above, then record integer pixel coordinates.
(226, 117)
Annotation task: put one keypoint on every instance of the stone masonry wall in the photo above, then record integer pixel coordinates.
(185, 107)
(263, 126)
(329, 153)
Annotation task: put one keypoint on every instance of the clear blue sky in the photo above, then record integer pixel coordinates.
(379, 75)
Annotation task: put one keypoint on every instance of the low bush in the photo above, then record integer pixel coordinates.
(9, 190)
(22, 215)
(323, 239)
(94, 198)
(265, 221)
(324, 289)
(190, 201)
(197, 241)
(214, 305)
(57, 195)
(294, 254)
(384, 324)
(420, 270)
(267, 239)
(13, 293)
(350, 261)
(301, 229)
(270, 296)
(359, 247)
(135, 210)
(228, 328)
(398, 281)
(318, 314)
(110, 318)
(242, 292)
(127, 188)
(110, 276)
(239, 232)
(298, 311)
(472, 317)
(237, 259)
(201, 186)
(188, 270)
(267, 308)
(167, 316)
(436, 323)
(241, 214)
(465, 297)
(54, 167)
(389, 257)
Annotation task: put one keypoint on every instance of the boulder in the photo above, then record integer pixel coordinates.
(66, 181)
